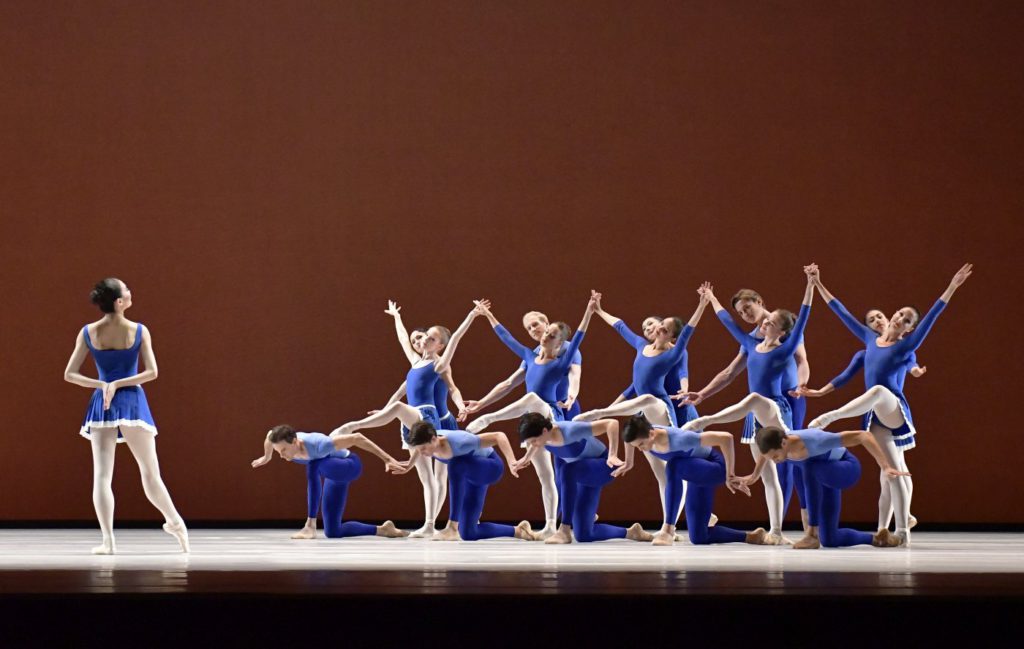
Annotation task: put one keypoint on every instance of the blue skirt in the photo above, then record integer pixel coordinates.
(128, 408)
(905, 437)
(750, 425)
(427, 413)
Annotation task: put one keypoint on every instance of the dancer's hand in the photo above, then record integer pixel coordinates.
(392, 309)
(918, 372)
(108, 394)
(734, 484)
(706, 291)
(565, 405)
(804, 391)
(621, 470)
(961, 275)
(594, 304)
(798, 391)
(519, 464)
(812, 272)
(260, 461)
(483, 307)
(749, 480)
(468, 408)
(396, 467)
(613, 461)
(687, 398)
(514, 469)
(890, 472)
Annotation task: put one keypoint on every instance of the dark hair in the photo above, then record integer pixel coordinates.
(105, 293)
(421, 433)
(786, 320)
(654, 317)
(746, 294)
(636, 428)
(564, 329)
(281, 433)
(532, 424)
(769, 438)
(419, 330)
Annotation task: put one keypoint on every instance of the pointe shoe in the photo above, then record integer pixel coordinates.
(389, 530)
(712, 521)
(911, 522)
(822, 421)
(180, 534)
(636, 532)
(525, 531)
(558, 538)
(662, 538)
(105, 548)
(883, 538)
(424, 532)
(776, 538)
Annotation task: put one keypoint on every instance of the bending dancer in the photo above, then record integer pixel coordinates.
(544, 372)
(766, 364)
(828, 469)
(438, 349)
(653, 366)
(690, 457)
(473, 466)
(328, 461)
(749, 305)
(441, 388)
(885, 359)
(118, 410)
(585, 467)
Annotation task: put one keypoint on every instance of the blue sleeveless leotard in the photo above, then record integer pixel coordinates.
(129, 406)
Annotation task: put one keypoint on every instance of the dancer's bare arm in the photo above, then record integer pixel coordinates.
(403, 335)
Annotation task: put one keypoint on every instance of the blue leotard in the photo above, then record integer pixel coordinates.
(318, 446)
(420, 389)
(857, 364)
(886, 366)
(682, 443)
(562, 391)
(129, 406)
(463, 443)
(543, 379)
(652, 373)
(821, 445)
(672, 384)
(765, 371)
(578, 442)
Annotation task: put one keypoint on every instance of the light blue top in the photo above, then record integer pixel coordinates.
(682, 443)
(578, 442)
(318, 446)
(463, 443)
(821, 445)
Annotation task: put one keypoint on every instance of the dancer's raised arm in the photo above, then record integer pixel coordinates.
(444, 362)
(393, 310)
(918, 334)
(863, 332)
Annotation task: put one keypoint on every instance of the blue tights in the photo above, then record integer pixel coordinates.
(825, 483)
(703, 476)
(580, 485)
(336, 473)
(469, 476)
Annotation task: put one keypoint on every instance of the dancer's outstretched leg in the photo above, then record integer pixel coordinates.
(104, 443)
(529, 402)
(397, 410)
(142, 444)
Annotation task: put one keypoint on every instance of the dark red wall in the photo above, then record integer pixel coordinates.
(266, 175)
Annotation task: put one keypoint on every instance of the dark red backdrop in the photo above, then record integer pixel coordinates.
(266, 175)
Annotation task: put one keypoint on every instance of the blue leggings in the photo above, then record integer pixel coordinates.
(580, 491)
(336, 473)
(825, 483)
(704, 475)
(468, 479)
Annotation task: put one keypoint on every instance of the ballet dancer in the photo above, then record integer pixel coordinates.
(473, 466)
(690, 457)
(885, 359)
(438, 348)
(829, 469)
(585, 467)
(330, 462)
(749, 305)
(442, 389)
(766, 360)
(545, 370)
(118, 410)
(653, 368)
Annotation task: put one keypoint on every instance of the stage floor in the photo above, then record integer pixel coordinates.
(939, 563)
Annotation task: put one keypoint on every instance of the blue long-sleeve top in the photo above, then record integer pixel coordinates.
(672, 379)
(651, 373)
(542, 378)
(857, 364)
(765, 370)
(886, 365)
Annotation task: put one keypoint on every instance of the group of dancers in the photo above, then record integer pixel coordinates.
(690, 461)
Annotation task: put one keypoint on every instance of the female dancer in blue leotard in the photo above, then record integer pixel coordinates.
(584, 468)
(885, 359)
(828, 469)
(545, 371)
(328, 461)
(118, 410)
(767, 360)
(426, 371)
(473, 466)
(690, 459)
(653, 367)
